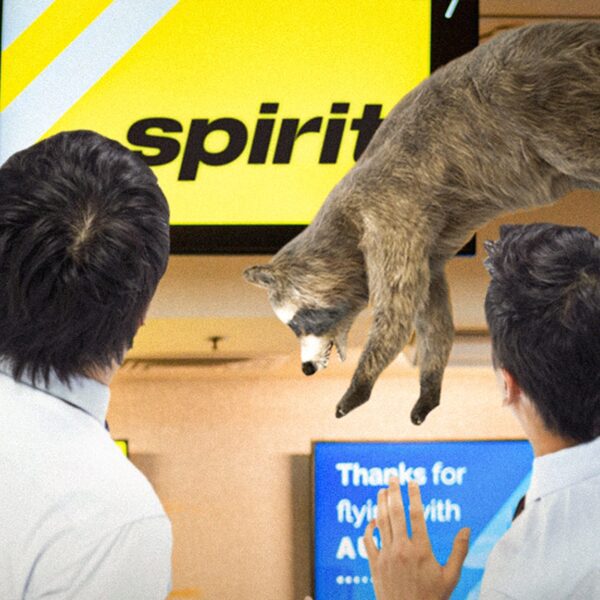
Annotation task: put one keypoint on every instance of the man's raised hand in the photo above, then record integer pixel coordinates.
(405, 568)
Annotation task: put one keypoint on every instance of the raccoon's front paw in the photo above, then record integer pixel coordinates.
(423, 406)
(354, 396)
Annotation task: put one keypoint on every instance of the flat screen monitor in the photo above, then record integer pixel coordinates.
(248, 112)
(474, 484)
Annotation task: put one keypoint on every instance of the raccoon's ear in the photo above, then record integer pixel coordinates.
(261, 275)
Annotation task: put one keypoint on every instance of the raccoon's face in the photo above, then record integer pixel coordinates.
(319, 329)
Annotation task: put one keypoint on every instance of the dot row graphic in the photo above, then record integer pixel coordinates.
(349, 579)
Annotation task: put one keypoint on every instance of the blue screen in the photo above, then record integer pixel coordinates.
(463, 484)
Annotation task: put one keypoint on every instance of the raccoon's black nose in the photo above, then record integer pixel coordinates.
(308, 368)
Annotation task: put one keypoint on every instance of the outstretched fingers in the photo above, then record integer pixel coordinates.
(383, 518)
(417, 517)
(396, 510)
(406, 567)
(460, 548)
(370, 546)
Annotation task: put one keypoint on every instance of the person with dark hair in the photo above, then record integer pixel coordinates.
(543, 311)
(84, 241)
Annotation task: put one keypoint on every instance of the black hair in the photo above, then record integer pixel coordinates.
(543, 311)
(84, 241)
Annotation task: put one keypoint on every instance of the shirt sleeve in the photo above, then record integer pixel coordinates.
(132, 562)
(494, 578)
(489, 594)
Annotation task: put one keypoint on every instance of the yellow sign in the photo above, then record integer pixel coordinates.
(249, 112)
(123, 446)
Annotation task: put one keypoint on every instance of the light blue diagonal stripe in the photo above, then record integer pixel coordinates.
(493, 531)
(110, 36)
(18, 15)
(482, 546)
(451, 8)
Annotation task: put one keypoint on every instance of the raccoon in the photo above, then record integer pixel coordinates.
(512, 125)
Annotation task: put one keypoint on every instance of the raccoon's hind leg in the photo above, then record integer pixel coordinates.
(435, 332)
(398, 276)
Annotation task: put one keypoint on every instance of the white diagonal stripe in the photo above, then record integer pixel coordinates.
(451, 8)
(17, 16)
(111, 35)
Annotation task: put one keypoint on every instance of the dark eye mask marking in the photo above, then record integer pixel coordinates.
(315, 321)
(295, 328)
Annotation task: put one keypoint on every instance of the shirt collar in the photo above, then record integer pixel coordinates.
(89, 395)
(561, 469)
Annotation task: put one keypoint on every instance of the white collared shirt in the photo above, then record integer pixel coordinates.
(552, 550)
(77, 519)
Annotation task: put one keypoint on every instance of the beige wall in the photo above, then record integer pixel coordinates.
(226, 439)
(229, 455)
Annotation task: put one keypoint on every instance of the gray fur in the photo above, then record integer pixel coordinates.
(512, 125)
